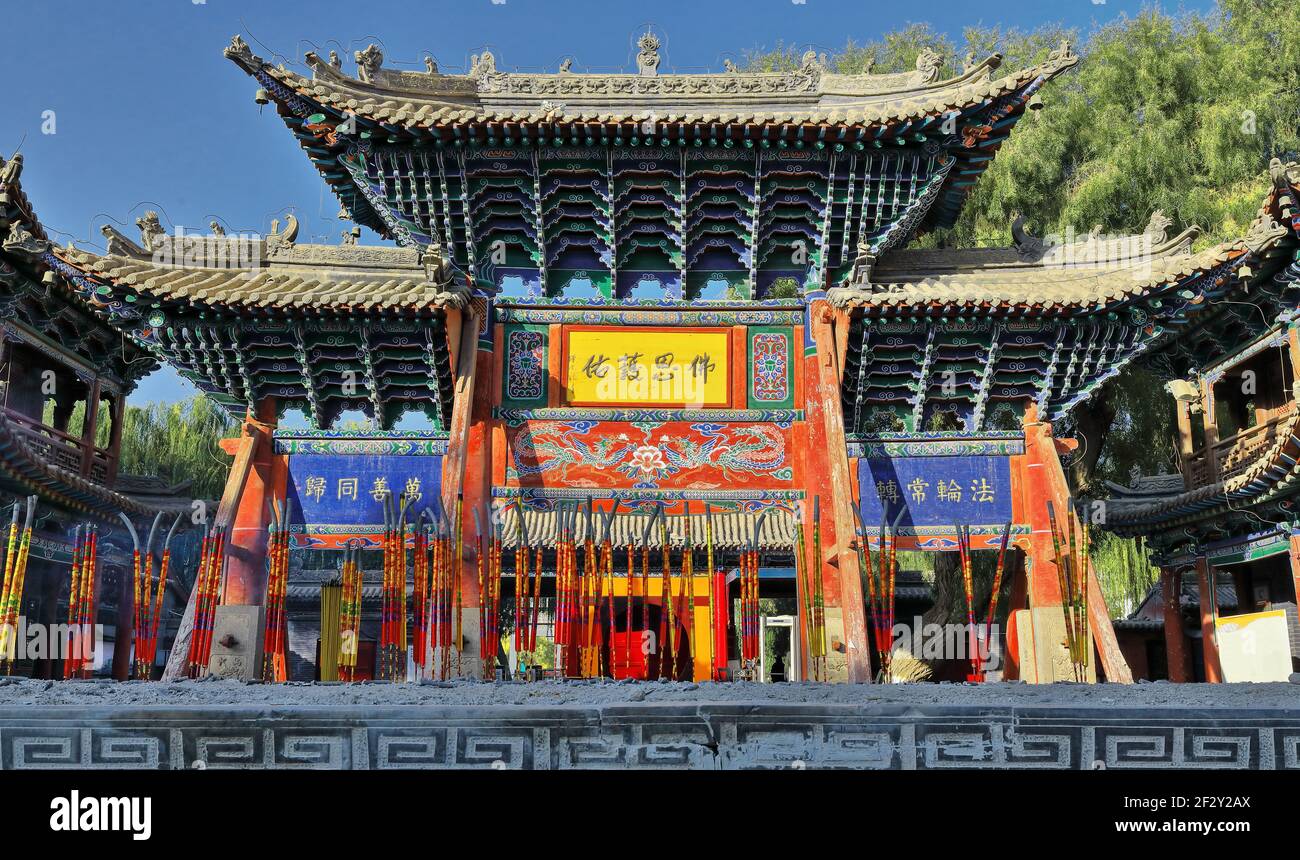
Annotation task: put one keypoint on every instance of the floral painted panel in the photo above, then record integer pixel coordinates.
(771, 367)
(525, 366)
(650, 455)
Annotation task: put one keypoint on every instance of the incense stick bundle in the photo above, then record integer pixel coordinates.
(667, 618)
(968, 587)
(708, 554)
(997, 585)
(273, 639)
(804, 585)
(645, 593)
(819, 595)
(74, 592)
(687, 614)
(208, 583)
(86, 612)
(1072, 579)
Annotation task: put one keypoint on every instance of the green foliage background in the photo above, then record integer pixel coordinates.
(178, 442)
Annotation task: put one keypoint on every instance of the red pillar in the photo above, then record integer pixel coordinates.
(1213, 670)
(826, 473)
(465, 470)
(247, 540)
(1178, 655)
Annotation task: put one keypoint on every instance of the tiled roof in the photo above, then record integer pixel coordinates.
(1036, 274)
(274, 272)
(810, 94)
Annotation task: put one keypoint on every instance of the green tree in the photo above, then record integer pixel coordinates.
(178, 442)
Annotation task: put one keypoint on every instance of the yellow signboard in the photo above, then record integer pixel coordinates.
(620, 366)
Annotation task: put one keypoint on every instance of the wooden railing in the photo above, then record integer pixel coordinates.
(1233, 455)
(62, 449)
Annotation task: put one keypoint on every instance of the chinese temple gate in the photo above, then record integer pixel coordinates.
(670, 340)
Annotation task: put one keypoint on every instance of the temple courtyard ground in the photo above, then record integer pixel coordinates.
(626, 725)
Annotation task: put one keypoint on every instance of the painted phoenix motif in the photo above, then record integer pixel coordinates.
(601, 454)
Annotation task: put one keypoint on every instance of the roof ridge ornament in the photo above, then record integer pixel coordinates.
(12, 170)
(288, 236)
(1029, 247)
(239, 50)
(1158, 225)
(1262, 233)
(1062, 55)
(369, 62)
(812, 63)
(151, 230)
(119, 245)
(647, 58)
(482, 65)
(21, 240)
(929, 65)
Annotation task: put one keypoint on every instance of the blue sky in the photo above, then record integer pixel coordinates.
(149, 115)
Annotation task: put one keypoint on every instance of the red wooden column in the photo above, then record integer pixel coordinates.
(826, 474)
(1213, 670)
(247, 539)
(1178, 655)
(465, 470)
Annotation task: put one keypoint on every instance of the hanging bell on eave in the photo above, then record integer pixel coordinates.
(48, 279)
(1245, 273)
(1035, 102)
(262, 97)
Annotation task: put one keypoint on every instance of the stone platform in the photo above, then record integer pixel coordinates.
(547, 726)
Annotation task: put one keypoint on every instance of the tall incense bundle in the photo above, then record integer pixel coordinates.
(200, 582)
(164, 570)
(607, 569)
(562, 610)
(480, 570)
(208, 585)
(687, 614)
(74, 590)
(803, 583)
(457, 579)
(350, 613)
(86, 613)
(667, 617)
(875, 613)
(1070, 548)
(273, 639)
(631, 598)
(593, 575)
(142, 592)
(521, 576)
(646, 632)
(819, 595)
(17, 550)
(997, 585)
(420, 591)
(708, 556)
(494, 593)
(968, 588)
